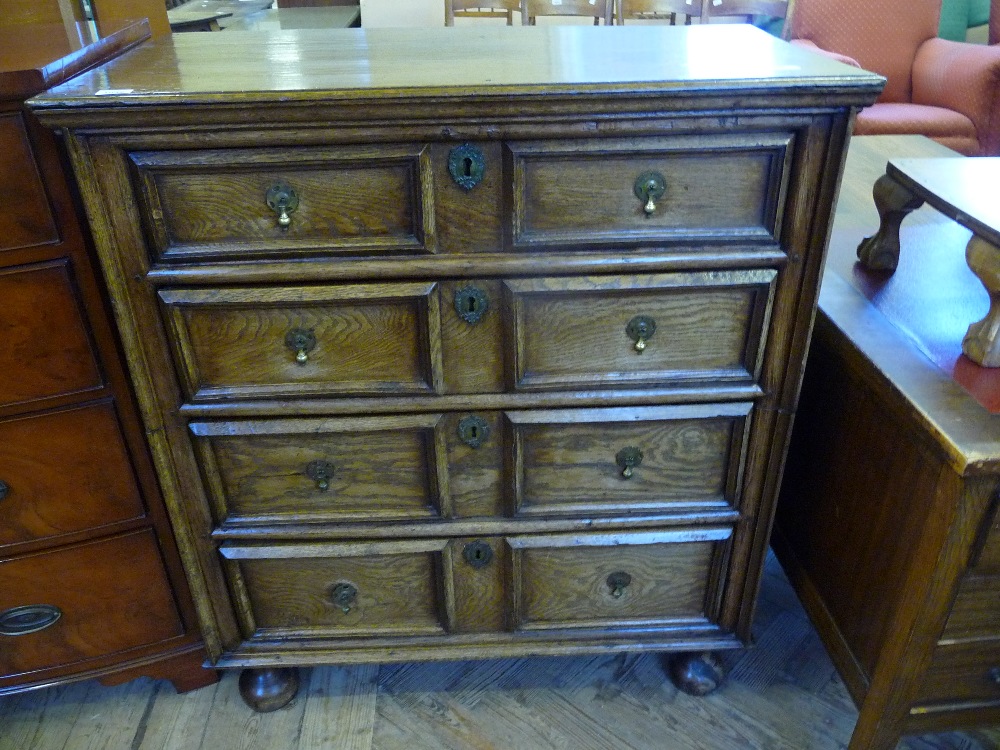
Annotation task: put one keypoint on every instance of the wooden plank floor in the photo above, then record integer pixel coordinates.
(782, 695)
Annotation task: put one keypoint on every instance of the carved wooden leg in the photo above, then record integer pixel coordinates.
(982, 342)
(696, 673)
(880, 252)
(269, 688)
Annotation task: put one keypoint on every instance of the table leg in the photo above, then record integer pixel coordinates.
(982, 342)
(880, 252)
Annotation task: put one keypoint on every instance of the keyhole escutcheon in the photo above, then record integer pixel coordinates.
(471, 304)
(466, 164)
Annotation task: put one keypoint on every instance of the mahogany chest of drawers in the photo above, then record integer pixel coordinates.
(91, 583)
(454, 345)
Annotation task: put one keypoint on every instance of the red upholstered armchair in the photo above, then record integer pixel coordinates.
(949, 91)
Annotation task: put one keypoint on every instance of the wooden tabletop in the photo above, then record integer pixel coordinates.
(906, 328)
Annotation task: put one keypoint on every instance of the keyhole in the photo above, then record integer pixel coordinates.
(471, 304)
(474, 432)
(467, 166)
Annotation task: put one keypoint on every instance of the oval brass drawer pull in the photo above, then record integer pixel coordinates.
(321, 472)
(344, 595)
(301, 341)
(283, 201)
(29, 618)
(640, 329)
(628, 458)
(649, 188)
(618, 582)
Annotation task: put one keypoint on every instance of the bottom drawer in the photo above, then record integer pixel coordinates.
(86, 601)
(966, 673)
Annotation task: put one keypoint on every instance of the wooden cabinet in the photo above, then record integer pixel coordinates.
(491, 357)
(888, 520)
(91, 583)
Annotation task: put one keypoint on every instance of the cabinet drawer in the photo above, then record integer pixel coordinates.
(64, 472)
(628, 460)
(47, 349)
(598, 332)
(306, 341)
(224, 204)
(579, 193)
(963, 673)
(317, 590)
(25, 219)
(976, 611)
(640, 580)
(325, 470)
(113, 595)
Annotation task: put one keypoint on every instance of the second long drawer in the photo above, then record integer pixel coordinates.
(662, 460)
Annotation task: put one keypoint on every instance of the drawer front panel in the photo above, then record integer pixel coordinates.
(306, 341)
(641, 580)
(587, 332)
(64, 472)
(963, 673)
(47, 350)
(315, 590)
(325, 470)
(727, 187)
(976, 612)
(113, 595)
(628, 460)
(26, 219)
(221, 204)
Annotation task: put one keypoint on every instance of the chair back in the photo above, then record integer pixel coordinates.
(480, 9)
(667, 10)
(597, 9)
(883, 37)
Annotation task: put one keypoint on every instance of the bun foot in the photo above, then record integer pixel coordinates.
(270, 688)
(696, 674)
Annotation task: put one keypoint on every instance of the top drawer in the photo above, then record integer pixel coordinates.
(241, 203)
(596, 192)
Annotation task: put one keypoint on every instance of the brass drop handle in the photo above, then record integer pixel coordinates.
(618, 582)
(29, 618)
(283, 201)
(4, 489)
(301, 341)
(628, 458)
(344, 595)
(649, 187)
(640, 329)
(321, 472)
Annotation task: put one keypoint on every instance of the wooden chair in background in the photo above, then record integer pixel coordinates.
(477, 9)
(746, 9)
(599, 10)
(656, 10)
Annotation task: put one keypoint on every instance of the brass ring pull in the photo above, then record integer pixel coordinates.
(29, 618)
(4, 489)
(649, 187)
(301, 341)
(344, 595)
(321, 472)
(618, 582)
(283, 201)
(640, 329)
(628, 458)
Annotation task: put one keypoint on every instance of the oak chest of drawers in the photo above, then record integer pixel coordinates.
(453, 345)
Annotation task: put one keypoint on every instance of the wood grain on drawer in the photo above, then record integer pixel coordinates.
(112, 594)
(640, 579)
(315, 590)
(976, 611)
(582, 193)
(65, 471)
(575, 332)
(664, 459)
(325, 470)
(967, 673)
(26, 219)
(47, 348)
(213, 204)
(365, 339)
